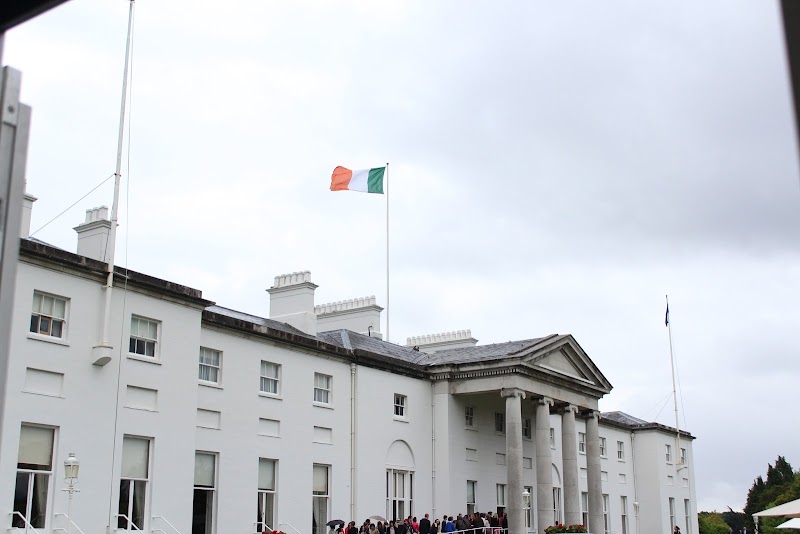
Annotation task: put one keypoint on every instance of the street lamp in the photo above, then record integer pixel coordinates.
(71, 467)
(526, 505)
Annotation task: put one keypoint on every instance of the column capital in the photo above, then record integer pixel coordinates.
(570, 408)
(590, 414)
(544, 400)
(512, 392)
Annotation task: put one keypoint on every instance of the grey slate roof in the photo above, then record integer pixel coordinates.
(622, 417)
(269, 323)
(480, 353)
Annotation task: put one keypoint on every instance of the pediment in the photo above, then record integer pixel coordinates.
(558, 362)
(563, 358)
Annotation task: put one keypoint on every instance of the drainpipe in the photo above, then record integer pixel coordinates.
(352, 440)
(433, 450)
(635, 492)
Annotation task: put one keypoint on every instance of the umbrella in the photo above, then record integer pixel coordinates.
(378, 518)
(792, 523)
(333, 522)
(789, 509)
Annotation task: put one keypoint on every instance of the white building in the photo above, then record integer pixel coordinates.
(202, 410)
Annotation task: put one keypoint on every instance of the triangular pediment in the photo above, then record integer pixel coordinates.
(562, 357)
(558, 361)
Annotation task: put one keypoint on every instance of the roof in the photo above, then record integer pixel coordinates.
(481, 353)
(629, 422)
(254, 319)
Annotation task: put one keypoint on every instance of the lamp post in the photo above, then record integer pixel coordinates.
(526, 505)
(71, 467)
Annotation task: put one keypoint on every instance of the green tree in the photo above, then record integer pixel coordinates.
(712, 523)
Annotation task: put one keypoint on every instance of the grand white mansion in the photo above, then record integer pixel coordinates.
(190, 417)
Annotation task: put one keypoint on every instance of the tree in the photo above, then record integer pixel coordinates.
(712, 523)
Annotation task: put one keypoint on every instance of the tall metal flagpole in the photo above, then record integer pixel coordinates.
(674, 391)
(386, 187)
(102, 351)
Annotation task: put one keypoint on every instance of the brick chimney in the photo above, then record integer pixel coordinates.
(291, 301)
(446, 340)
(361, 315)
(93, 234)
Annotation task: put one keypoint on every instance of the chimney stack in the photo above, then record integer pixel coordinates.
(291, 301)
(361, 315)
(444, 341)
(94, 233)
(27, 209)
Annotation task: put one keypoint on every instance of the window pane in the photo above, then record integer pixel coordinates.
(60, 308)
(47, 305)
(135, 456)
(152, 332)
(37, 303)
(202, 508)
(320, 515)
(139, 494)
(204, 469)
(266, 474)
(36, 447)
(124, 500)
(20, 499)
(39, 500)
(134, 326)
(321, 479)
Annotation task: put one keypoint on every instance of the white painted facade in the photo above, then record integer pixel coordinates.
(52, 383)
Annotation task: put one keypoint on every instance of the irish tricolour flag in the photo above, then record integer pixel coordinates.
(365, 180)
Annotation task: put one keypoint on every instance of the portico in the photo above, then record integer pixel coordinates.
(557, 377)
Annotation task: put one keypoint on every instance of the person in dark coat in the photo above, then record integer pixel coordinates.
(425, 525)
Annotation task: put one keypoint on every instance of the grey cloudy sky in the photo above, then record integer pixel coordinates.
(555, 167)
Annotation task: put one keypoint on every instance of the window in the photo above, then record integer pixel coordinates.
(399, 405)
(603, 450)
(133, 484)
(501, 498)
(144, 337)
(471, 496)
(270, 378)
(623, 506)
(582, 444)
(210, 364)
(399, 493)
(526, 428)
(469, 416)
(668, 452)
(671, 514)
(620, 451)
(683, 456)
(266, 493)
(320, 499)
(322, 388)
(205, 484)
(687, 512)
(606, 526)
(49, 315)
(500, 422)
(34, 468)
(553, 439)
(585, 508)
(529, 510)
(556, 506)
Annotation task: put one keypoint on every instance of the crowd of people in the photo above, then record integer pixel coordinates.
(476, 523)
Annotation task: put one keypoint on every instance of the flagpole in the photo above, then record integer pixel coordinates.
(386, 182)
(674, 392)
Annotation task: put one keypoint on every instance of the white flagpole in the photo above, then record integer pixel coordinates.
(674, 392)
(386, 190)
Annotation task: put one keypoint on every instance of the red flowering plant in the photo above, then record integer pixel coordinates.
(565, 528)
(274, 532)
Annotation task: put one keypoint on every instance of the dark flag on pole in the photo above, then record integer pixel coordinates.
(666, 317)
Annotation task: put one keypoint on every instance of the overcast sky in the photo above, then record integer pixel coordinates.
(555, 168)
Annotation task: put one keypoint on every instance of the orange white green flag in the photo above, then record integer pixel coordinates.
(365, 180)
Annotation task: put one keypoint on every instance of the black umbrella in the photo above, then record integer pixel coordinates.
(333, 522)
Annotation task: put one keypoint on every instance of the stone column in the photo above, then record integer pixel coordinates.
(544, 465)
(516, 514)
(596, 523)
(569, 457)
